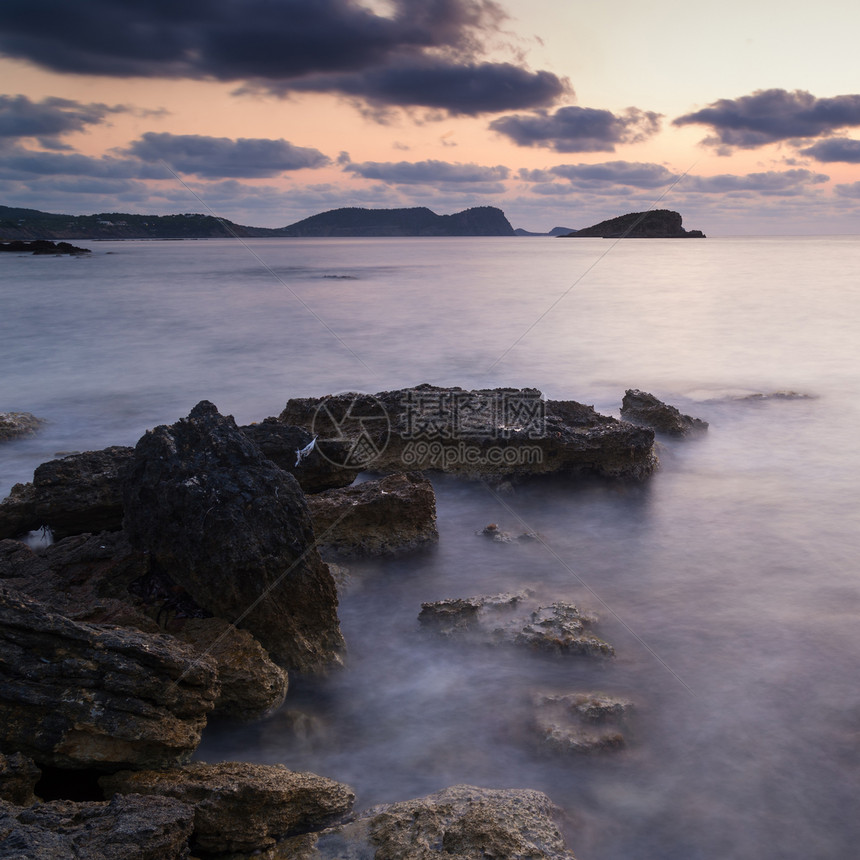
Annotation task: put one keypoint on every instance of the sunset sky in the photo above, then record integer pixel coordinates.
(743, 116)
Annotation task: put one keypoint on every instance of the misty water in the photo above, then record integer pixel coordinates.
(728, 583)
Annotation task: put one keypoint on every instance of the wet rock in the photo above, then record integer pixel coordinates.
(18, 778)
(16, 424)
(560, 628)
(580, 722)
(463, 822)
(235, 532)
(242, 807)
(499, 535)
(82, 696)
(74, 494)
(493, 434)
(251, 684)
(393, 514)
(315, 471)
(639, 407)
(131, 828)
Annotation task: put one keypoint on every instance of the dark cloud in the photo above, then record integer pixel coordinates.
(785, 183)
(48, 119)
(598, 176)
(217, 157)
(428, 172)
(425, 53)
(18, 162)
(768, 116)
(835, 149)
(577, 129)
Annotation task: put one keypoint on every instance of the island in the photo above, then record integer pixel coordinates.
(653, 224)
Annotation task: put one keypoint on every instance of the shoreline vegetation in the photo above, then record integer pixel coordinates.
(349, 222)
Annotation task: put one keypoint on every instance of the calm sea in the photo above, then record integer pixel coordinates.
(729, 583)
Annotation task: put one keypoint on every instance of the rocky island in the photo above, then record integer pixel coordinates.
(653, 224)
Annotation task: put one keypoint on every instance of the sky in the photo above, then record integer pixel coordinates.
(742, 116)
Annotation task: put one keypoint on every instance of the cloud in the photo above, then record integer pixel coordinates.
(849, 190)
(48, 119)
(577, 129)
(836, 149)
(424, 53)
(770, 183)
(599, 176)
(768, 116)
(217, 157)
(430, 173)
(17, 162)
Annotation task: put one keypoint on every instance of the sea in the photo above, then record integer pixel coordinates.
(728, 582)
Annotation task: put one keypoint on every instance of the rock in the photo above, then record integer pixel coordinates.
(580, 722)
(498, 535)
(42, 246)
(234, 531)
(393, 514)
(462, 822)
(560, 628)
(81, 696)
(314, 471)
(251, 684)
(242, 807)
(653, 224)
(131, 828)
(645, 409)
(498, 433)
(16, 424)
(18, 778)
(74, 494)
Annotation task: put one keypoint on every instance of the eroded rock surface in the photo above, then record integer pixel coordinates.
(82, 696)
(463, 822)
(639, 407)
(580, 722)
(234, 531)
(560, 628)
(16, 424)
(242, 807)
(18, 778)
(393, 514)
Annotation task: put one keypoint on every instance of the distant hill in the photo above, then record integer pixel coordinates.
(418, 221)
(654, 224)
(28, 224)
(556, 231)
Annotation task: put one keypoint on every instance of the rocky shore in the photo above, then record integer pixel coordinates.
(191, 575)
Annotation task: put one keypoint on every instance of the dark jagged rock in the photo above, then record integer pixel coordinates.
(462, 822)
(235, 532)
(315, 471)
(393, 514)
(18, 778)
(16, 424)
(41, 246)
(73, 494)
(488, 433)
(131, 828)
(517, 619)
(242, 807)
(639, 407)
(580, 722)
(81, 696)
(417, 221)
(653, 224)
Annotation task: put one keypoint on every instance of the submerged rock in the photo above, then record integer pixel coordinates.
(131, 828)
(463, 822)
(234, 531)
(560, 628)
(487, 433)
(16, 424)
(81, 696)
(393, 514)
(242, 807)
(580, 722)
(639, 407)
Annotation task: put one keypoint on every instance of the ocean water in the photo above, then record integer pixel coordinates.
(729, 582)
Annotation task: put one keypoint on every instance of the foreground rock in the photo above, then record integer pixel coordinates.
(16, 424)
(131, 828)
(580, 722)
(393, 514)
(242, 807)
(18, 778)
(235, 532)
(495, 433)
(81, 696)
(560, 628)
(462, 822)
(71, 495)
(639, 407)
